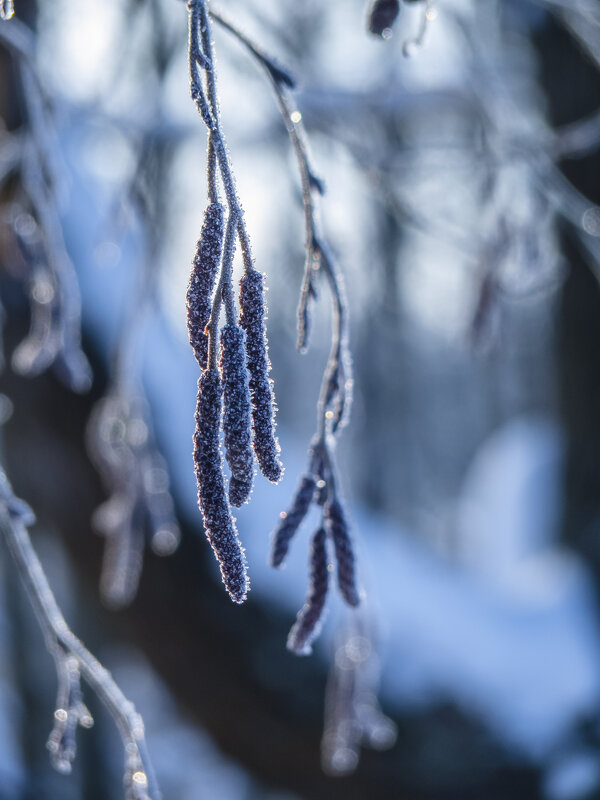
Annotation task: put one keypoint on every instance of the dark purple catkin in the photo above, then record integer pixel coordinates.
(337, 528)
(218, 524)
(307, 624)
(202, 280)
(236, 413)
(291, 520)
(252, 320)
(382, 15)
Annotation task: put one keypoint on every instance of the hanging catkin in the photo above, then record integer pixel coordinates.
(236, 413)
(202, 280)
(308, 621)
(252, 320)
(337, 528)
(218, 522)
(291, 520)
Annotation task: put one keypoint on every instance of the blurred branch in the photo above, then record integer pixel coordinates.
(55, 337)
(72, 658)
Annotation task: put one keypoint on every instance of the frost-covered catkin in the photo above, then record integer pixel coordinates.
(382, 15)
(218, 523)
(291, 520)
(308, 622)
(252, 320)
(337, 528)
(202, 280)
(236, 413)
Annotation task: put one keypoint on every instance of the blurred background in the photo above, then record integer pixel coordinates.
(463, 206)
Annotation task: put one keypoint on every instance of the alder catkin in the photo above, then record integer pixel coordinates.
(202, 280)
(337, 528)
(236, 413)
(307, 624)
(218, 523)
(252, 320)
(382, 15)
(291, 520)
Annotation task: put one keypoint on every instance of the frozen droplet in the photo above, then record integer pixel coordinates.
(296, 117)
(140, 778)
(165, 542)
(321, 484)
(42, 292)
(86, 720)
(7, 9)
(343, 760)
(24, 224)
(387, 33)
(383, 735)
(62, 765)
(410, 47)
(591, 221)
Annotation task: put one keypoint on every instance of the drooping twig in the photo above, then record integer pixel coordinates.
(319, 485)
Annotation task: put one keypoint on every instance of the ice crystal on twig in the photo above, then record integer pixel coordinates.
(202, 280)
(236, 414)
(252, 320)
(218, 522)
(308, 622)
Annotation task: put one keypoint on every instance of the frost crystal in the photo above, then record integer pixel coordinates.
(218, 523)
(252, 320)
(202, 280)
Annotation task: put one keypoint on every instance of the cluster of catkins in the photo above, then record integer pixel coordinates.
(383, 14)
(317, 487)
(236, 395)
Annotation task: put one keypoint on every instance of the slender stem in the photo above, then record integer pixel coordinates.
(201, 54)
(315, 248)
(224, 292)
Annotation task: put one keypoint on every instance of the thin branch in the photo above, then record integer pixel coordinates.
(15, 516)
